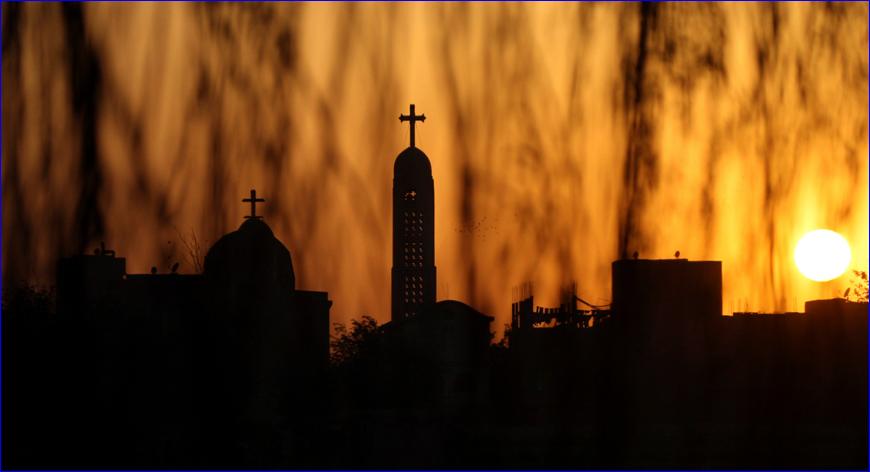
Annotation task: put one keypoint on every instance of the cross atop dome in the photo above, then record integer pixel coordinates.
(253, 200)
(413, 119)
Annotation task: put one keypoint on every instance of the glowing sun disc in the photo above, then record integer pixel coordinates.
(822, 255)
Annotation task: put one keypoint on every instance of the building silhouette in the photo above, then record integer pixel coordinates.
(429, 353)
(663, 379)
(230, 368)
(413, 273)
(234, 356)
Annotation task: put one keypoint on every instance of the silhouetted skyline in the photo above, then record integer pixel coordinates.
(732, 115)
(231, 368)
(204, 266)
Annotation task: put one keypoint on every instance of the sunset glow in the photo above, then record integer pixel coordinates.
(822, 255)
(435, 235)
(585, 135)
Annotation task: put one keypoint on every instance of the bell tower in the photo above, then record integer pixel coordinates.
(413, 274)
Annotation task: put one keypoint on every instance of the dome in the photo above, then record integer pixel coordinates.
(412, 162)
(457, 308)
(251, 255)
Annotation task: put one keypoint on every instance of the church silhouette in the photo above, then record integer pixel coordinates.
(449, 336)
(233, 344)
(413, 287)
(231, 368)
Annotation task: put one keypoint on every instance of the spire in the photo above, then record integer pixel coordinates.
(413, 273)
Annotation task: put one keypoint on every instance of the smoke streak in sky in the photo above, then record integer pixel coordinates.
(562, 136)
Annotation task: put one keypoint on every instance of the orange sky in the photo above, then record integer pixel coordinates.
(724, 131)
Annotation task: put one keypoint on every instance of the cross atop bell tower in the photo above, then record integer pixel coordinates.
(413, 273)
(413, 119)
(253, 200)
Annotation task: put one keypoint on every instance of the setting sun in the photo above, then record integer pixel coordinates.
(822, 255)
